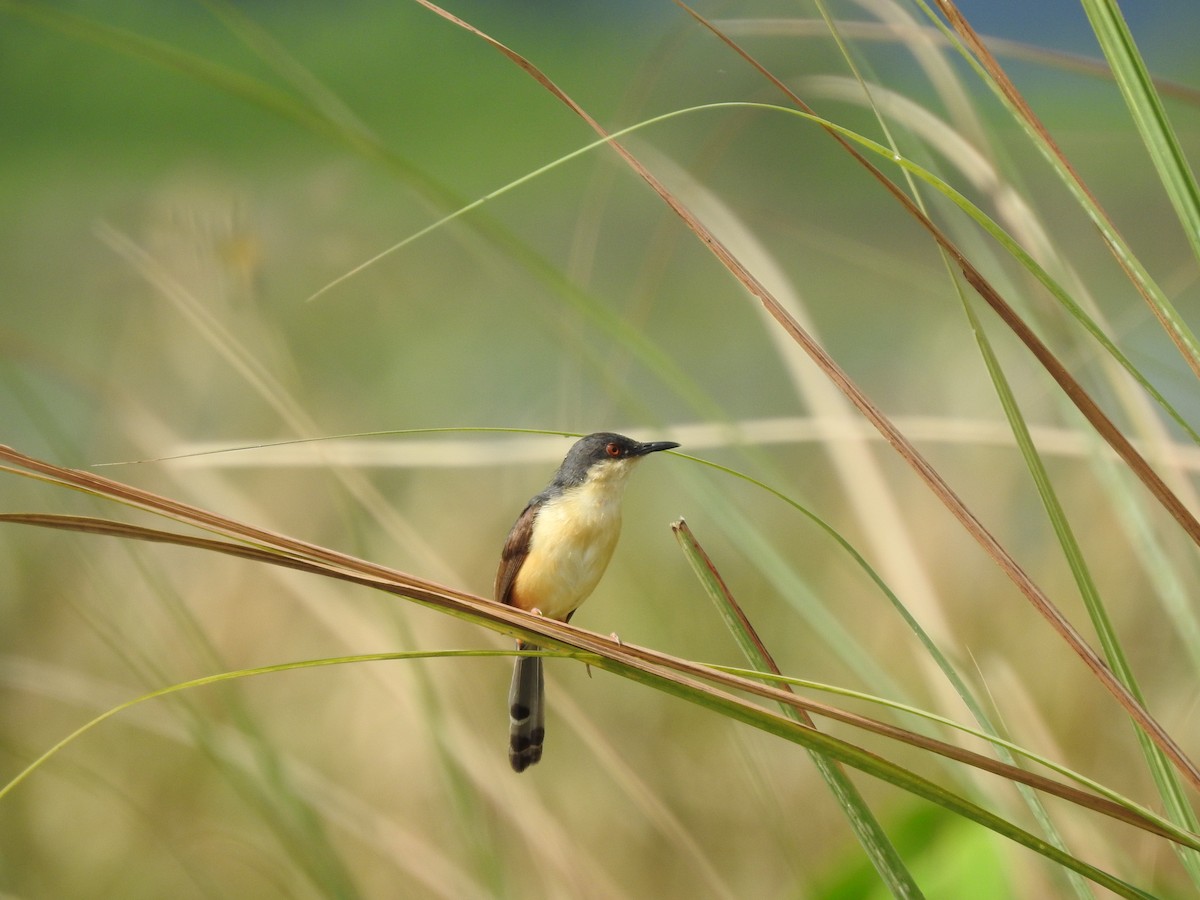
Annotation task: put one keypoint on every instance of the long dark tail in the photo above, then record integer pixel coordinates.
(527, 718)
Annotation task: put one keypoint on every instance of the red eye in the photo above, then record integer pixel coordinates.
(613, 450)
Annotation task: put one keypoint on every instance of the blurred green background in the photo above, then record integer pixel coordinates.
(160, 234)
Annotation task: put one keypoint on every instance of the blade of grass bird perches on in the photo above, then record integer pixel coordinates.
(1036, 596)
(870, 833)
(1127, 70)
(278, 549)
(98, 526)
(595, 650)
(267, 546)
(674, 676)
(839, 749)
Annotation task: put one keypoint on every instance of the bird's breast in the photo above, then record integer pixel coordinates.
(573, 539)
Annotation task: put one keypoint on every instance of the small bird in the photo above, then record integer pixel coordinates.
(553, 558)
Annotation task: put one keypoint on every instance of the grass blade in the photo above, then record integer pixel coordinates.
(870, 833)
(1169, 786)
(1146, 107)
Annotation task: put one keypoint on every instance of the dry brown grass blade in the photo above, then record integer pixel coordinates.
(277, 549)
(862, 30)
(646, 660)
(748, 630)
(985, 57)
(890, 433)
(112, 528)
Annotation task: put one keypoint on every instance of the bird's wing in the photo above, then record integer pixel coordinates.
(516, 548)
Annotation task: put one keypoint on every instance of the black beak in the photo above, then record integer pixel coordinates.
(652, 447)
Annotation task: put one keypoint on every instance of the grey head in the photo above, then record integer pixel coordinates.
(601, 448)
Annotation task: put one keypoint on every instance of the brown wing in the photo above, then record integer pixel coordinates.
(516, 548)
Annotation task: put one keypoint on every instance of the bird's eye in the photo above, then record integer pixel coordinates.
(613, 450)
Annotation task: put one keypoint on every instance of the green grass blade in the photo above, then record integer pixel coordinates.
(1149, 114)
(218, 678)
(1169, 786)
(856, 757)
(959, 685)
(870, 833)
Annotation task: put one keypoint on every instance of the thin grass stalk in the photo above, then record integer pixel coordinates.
(1149, 114)
(871, 835)
(1165, 777)
(282, 551)
(594, 650)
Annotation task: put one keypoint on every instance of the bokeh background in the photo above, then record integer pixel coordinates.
(165, 216)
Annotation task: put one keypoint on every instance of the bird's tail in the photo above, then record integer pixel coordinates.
(527, 719)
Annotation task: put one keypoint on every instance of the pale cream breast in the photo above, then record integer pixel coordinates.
(573, 540)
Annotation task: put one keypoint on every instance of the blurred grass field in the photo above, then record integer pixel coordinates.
(162, 226)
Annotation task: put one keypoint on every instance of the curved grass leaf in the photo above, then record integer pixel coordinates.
(870, 833)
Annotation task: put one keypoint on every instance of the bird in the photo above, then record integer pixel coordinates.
(554, 557)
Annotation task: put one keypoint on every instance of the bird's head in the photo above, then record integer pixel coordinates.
(604, 455)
